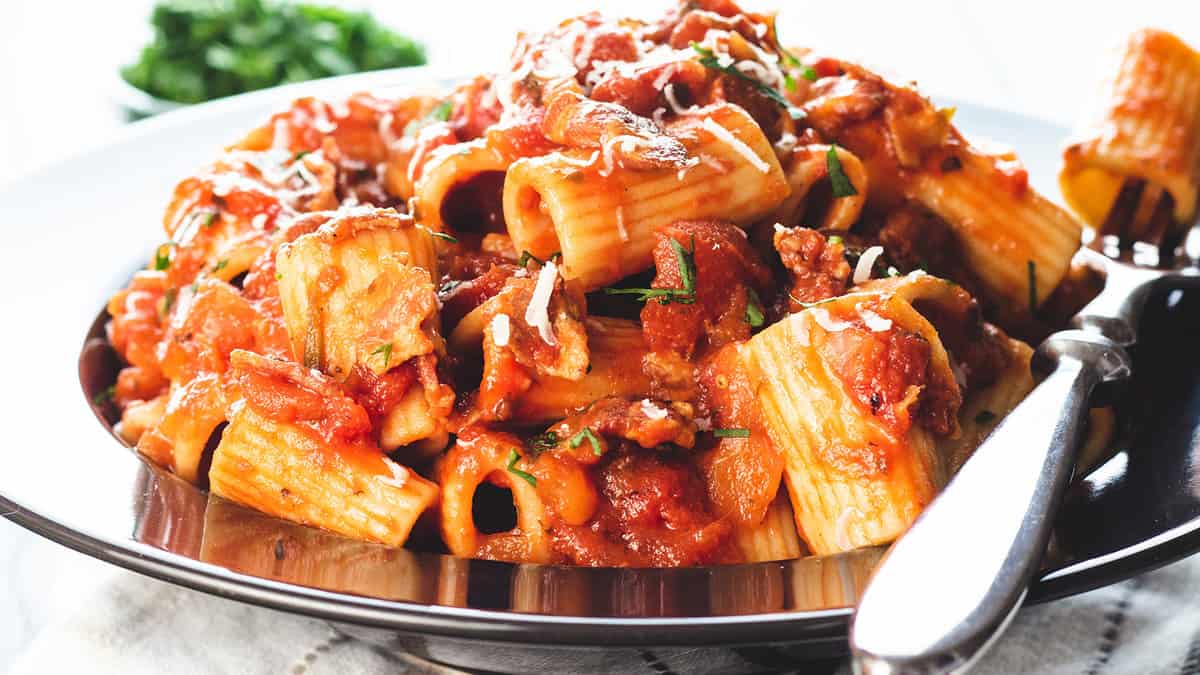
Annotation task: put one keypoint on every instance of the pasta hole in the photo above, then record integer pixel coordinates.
(493, 509)
(206, 457)
(476, 204)
(817, 203)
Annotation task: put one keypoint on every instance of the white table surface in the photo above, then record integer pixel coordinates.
(57, 60)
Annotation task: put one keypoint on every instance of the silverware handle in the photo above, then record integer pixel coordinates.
(950, 585)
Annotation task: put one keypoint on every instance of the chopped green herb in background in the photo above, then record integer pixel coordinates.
(586, 434)
(542, 442)
(841, 185)
(731, 433)
(513, 458)
(386, 350)
(754, 311)
(206, 49)
(709, 60)
(686, 260)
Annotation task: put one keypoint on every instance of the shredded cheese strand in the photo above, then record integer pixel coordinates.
(537, 314)
(734, 142)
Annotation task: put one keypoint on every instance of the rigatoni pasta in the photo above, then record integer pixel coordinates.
(1144, 126)
(655, 294)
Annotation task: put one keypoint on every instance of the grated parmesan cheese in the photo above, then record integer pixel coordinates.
(691, 162)
(621, 231)
(862, 271)
(399, 477)
(501, 330)
(876, 323)
(652, 411)
(734, 142)
(537, 314)
(582, 163)
(830, 324)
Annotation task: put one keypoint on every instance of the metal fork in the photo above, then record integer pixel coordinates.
(949, 587)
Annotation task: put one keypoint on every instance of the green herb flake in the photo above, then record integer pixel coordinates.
(835, 240)
(526, 256)
(985, 417)
(686, 260)
(513, 458)
(542, 442)
(842, 187)
(440, 113)
(169, 300)
(1033, 294)
(586, 434)
(731, 433)
(444, 237)
(300, 155)
(209, 217)
(789, 82)
(709, 60)
(202, 50)
(162, 257)
(386, 350)
(754, 311)
(221, 264)
(105, 395)
(278, 276)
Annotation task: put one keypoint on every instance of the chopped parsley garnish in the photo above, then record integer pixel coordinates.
(731, 433)
(278, 276)
(985, 416)
(789, 82)
(842, 187)
(221, 264)
(513, 458)
(206, 50)
(754, 312)
(162, 257)
(542, 442)
(835, 240)
(1033, 294)
(386, 350)
(440, 113)
(892, 271)
(449, 286)
(709, 60)
(807, 72)
(105, 395)
(586, 434)
(444, 237)
(300, 155)
(686, 260)
(169, 299)
(210, 217)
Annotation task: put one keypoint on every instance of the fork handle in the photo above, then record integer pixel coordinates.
(950, 585)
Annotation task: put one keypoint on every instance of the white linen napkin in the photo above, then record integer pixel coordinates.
(132, 625)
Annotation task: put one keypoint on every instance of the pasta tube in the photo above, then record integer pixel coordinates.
(602, 217)
(860, 463)
(360, 291)
(1146, 125)
(1015, 241)
(775, 538)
